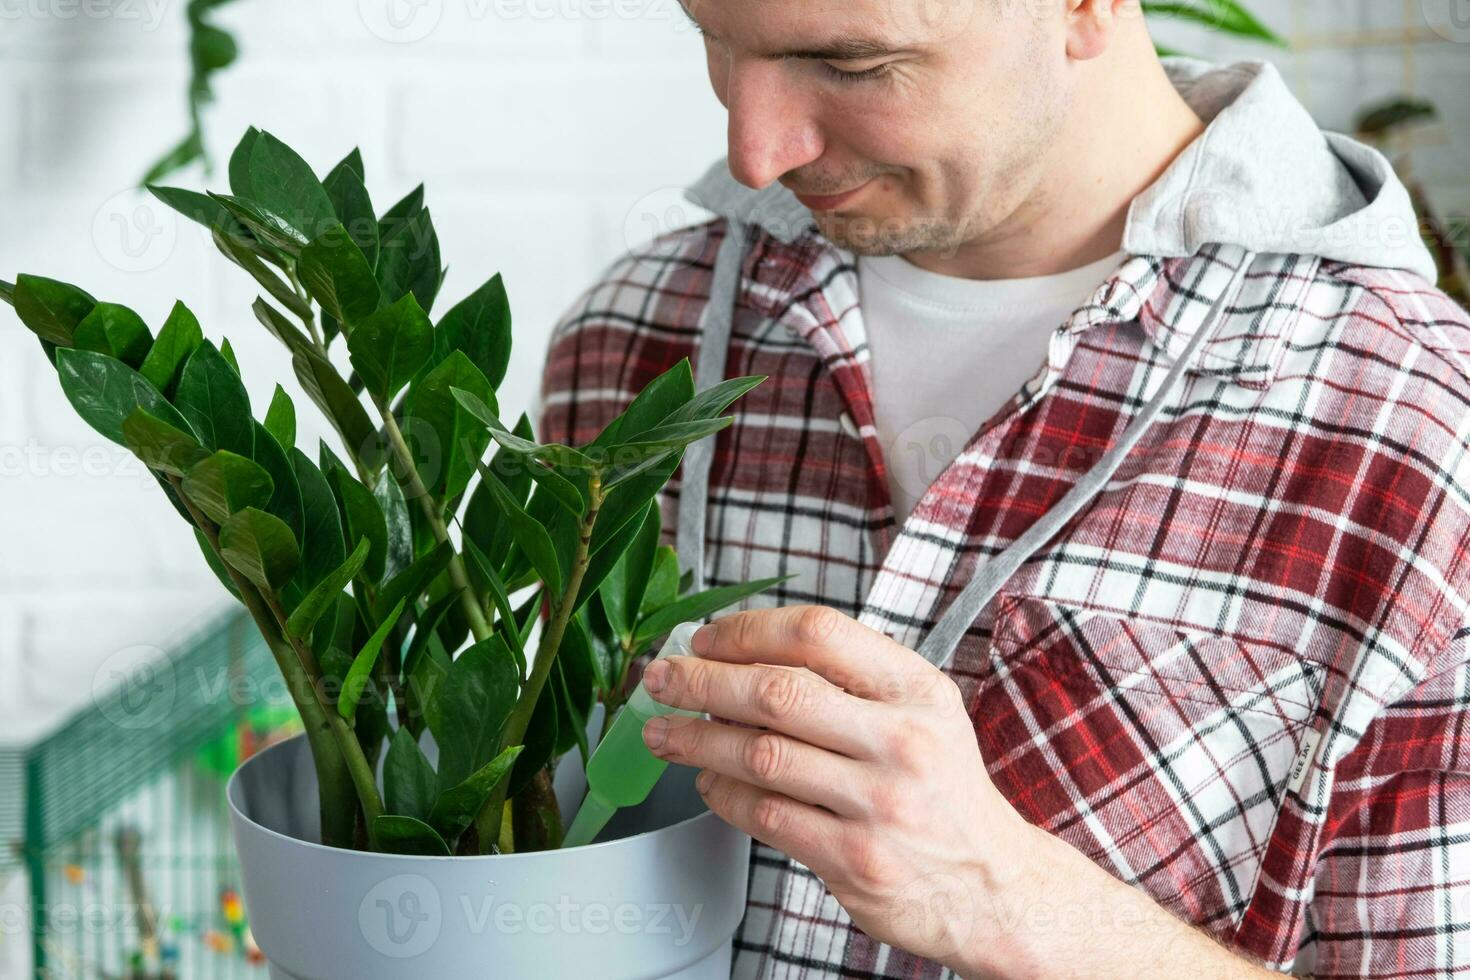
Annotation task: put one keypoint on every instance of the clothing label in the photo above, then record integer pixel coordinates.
(1303, 760)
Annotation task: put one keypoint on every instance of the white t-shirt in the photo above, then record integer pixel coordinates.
(947, 353)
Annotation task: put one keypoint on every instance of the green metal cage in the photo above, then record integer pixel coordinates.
(114, 827)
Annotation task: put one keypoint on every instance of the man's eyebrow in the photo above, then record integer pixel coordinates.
(839, 48)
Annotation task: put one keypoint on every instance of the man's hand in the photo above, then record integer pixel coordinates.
(857, 757)
(863, 766)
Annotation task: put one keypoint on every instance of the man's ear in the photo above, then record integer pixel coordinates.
(1092, 23)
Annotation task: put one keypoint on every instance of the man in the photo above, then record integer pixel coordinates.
(1116, 441)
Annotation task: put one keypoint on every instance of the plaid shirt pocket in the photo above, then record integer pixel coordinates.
(1163, 753)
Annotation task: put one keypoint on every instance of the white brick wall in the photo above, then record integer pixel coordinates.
(538, 125)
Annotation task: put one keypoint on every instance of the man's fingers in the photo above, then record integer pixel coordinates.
(859, 660)
(795, 702)
(768, 760)
(811, 835)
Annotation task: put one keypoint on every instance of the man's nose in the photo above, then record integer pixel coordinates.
(771, 130)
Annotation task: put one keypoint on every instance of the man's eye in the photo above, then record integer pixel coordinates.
(877, 71)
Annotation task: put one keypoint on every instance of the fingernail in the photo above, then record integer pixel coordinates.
(702, 783)
(655, 732)
(655, 676)
(703, 638)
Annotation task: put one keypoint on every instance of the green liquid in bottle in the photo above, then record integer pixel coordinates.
(622, 770)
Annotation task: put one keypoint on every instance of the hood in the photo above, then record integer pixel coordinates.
(1262, 176)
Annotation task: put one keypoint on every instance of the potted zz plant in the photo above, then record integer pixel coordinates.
(415, 828)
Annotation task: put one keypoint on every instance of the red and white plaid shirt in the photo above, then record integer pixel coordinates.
(1236, 680)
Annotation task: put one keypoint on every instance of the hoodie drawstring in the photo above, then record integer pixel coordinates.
(709, 369)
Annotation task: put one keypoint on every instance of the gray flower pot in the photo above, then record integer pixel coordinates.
(659, 893)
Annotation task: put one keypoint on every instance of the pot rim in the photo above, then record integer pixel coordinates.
(230, 788)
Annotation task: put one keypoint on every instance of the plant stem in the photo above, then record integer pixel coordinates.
(309, 321)
(334, 779)
(488, 820)
(413, 485)
(363, 778)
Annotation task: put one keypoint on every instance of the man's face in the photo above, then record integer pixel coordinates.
(940, 111)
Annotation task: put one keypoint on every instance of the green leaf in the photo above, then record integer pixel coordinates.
(529, 534)
(471, 707)
(51, 309)
(337, 274)
(479, 326)
(282, 293)
(323, 548)
(178, 339)
(362, 666)
(104, 391)
(159, 445)
(285, 502)
(623, 589)
(352, 161)
(1226, 16)
(325, 387)
(265, 225)
(114, 330)
(353, 206)
(662, 396)
(208, 212)
(424, 626)
(7, 292)
(554, 454)
(324, 593)
(389, 347)
(712, 401)
(631, 459)
(408, 779)
(364, 521)
(663, 581)
(699, 606)
(458, 807)
(280, 419)
(223, 484)
(562, 490)
(411, 204)
(606, 558)
(214, 401)
(282, 182)
(259, 546)
(422, 687)
(462, 440)
(408, 260)
(281, 328)
(397, 834)
(399, 526)
(240, 179)
(498, 594)
(412, 582)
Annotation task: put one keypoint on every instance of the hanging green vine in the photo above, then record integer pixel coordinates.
(211, 49)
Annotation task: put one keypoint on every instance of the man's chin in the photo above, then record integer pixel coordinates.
(874, 238)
